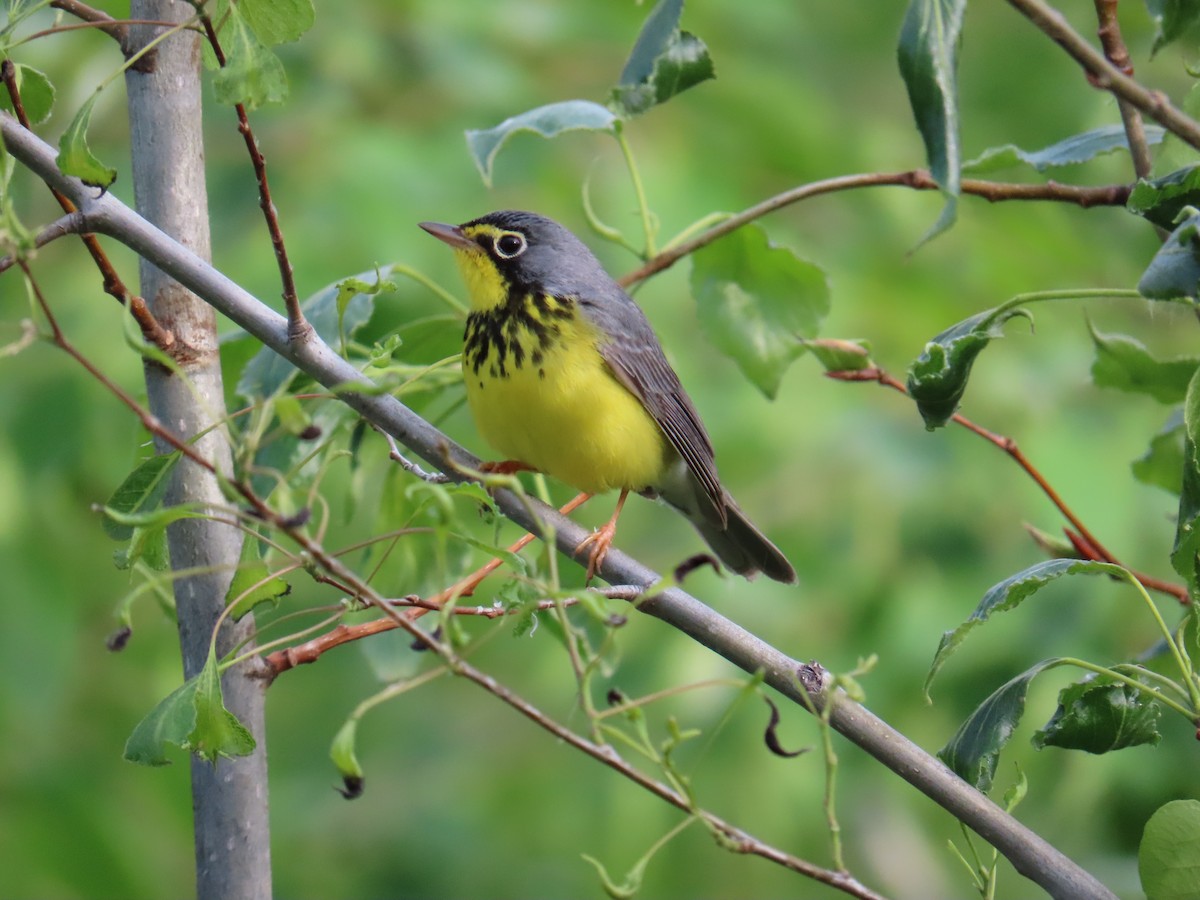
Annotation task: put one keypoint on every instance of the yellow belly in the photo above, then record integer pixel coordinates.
(569, 417)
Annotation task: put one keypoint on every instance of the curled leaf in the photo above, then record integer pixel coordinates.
(546, 121)
(343, 756)
(771, 735)
(937, 379)
(664, 62)
(1100, 716)
(1009, 594)
(975, 748)
(1077, 148)
(1160, 200)
(74, 155)
(1174, 271)
(928, 55)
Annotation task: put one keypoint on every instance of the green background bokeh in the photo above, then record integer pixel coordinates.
(896, 532)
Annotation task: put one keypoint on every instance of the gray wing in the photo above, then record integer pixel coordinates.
(635, 356)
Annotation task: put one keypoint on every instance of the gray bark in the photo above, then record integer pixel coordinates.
(229, 799)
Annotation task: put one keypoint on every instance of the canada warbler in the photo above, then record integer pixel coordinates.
(564, 375)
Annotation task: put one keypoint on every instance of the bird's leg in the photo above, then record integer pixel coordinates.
(505, 467)
(601, 539)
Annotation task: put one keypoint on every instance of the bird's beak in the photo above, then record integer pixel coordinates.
(450, 234)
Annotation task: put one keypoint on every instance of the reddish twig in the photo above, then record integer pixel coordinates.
(1086, 543)
(310, 651)
(1109, 32)
(152, 331)
(915, 179)
(298, 327)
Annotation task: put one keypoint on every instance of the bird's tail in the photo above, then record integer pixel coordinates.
(735, 540)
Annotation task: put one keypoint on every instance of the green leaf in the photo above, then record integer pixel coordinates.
(1100, 716)
(547, 121)
(836, 355)
(253, 583)
(37, 94)
(75, 157)
(141, 491)
(252, 74)
(268, 372)
(928, 56)
(1016, 792)
(1162, 463)
(1078, 148)
(277, 21)
(1187, 533)
(217, 731)
(1162, 199)
(757, 303)
(975, 748)
(1169, 855)
(1173, 19)
(168, 723)
(1126, 365)
(937, 379)
(348, 289)
(343, 756)
(1174, 271)
(148, 535)
(664, 62)
(1009, 594)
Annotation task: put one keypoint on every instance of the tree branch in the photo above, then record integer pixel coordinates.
(1113, 43)
(1106, 76)
(915, 179)
(229, 800)
(1029, 853)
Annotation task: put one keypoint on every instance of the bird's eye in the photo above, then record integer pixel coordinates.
(510, 244)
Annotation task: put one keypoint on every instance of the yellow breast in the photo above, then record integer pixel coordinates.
(542, 394)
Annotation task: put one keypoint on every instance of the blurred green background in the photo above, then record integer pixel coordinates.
(896, 532)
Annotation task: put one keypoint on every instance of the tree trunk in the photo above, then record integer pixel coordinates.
(229, 800)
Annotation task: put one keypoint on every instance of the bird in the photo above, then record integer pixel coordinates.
(564, 375)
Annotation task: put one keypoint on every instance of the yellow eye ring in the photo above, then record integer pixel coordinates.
(509, 244)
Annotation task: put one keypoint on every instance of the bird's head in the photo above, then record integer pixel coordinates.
(511, 250)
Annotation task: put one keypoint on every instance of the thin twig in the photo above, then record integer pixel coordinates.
(1086, 543)
(408, 465)
(1106, 76)
(311, 651)
(117, 29)
(916, 179)
(298, 327)
(152, 331)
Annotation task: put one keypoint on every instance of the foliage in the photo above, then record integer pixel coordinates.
(890, 534)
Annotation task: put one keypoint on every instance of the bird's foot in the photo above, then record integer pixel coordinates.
(600, 541)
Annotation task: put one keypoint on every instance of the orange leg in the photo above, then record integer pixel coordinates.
(602, 539)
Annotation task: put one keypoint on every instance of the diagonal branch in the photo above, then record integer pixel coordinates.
(916, 179)
(1029, 853)
(1106, 76)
